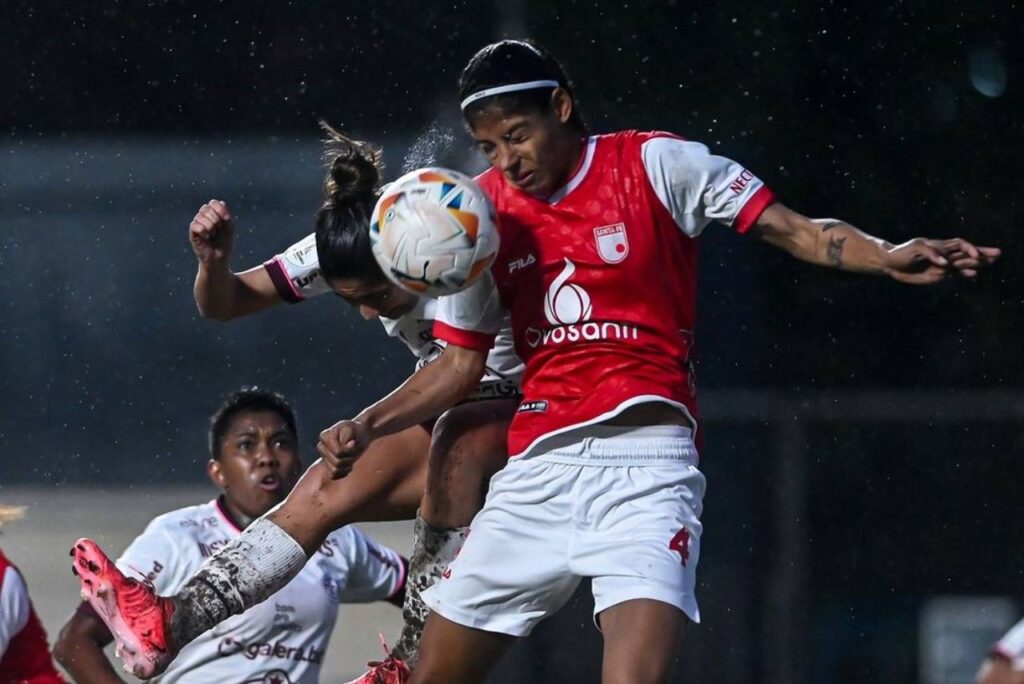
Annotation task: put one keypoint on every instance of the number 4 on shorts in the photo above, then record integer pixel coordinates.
(681, 543)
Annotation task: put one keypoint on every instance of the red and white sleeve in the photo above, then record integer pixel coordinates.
(471, 318)
(295, 272)
(697, 187)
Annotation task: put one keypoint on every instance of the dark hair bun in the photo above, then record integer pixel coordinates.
(353, 169)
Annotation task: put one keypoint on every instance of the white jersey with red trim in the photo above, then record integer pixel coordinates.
(296, 276)
(283, 639)
(600, 279)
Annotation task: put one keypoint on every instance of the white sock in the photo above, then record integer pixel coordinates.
(433, 549)
(240, 575)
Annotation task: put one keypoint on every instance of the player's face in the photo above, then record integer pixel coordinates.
(375, 299)
(258, 463)
(536, 151)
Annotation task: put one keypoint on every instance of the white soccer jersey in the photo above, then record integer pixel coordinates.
(296, 276)
(1011, 646)
(283, 639)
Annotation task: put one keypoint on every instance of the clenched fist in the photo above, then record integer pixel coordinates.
(341, 444)
(212, 232)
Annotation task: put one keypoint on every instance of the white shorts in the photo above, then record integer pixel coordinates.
(621, 505)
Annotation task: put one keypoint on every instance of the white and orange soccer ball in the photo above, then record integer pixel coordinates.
(434, 232)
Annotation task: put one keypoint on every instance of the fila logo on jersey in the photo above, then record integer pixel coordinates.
(521, 263)
(612, 243)
(567, 306)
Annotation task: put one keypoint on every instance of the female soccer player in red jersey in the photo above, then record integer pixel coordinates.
(597, 267)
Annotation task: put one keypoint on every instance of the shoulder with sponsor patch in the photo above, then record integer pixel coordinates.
(303, 253)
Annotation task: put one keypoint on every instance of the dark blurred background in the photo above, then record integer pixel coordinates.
(864, 438)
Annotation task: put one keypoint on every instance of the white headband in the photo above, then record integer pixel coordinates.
(511, 88)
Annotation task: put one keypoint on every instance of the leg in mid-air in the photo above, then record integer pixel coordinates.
(386, 483)
(468, 447)
(641, 638)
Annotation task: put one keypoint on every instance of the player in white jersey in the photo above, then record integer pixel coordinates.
(1005, 663)
(254, 462)
(466, 445)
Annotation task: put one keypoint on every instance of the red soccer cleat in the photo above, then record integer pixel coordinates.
(135, 615)
(389, 671)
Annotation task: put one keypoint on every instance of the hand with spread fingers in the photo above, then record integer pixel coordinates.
(922, 261)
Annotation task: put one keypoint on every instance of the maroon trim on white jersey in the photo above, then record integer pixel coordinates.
(282, 283)
(402, 577)
(226, 514)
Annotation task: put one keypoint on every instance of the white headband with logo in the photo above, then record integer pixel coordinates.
(510, 88)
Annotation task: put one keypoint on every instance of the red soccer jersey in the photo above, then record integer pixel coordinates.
(600, 279)
(26, 656)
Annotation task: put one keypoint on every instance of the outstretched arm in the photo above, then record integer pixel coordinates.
(835, 243)
(220, 293)
(429, 392)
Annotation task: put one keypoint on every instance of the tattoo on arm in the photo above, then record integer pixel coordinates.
(835, 251)
(829, 225)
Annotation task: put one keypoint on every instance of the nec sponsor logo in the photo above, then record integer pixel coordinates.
(521, 263)
(741, 181)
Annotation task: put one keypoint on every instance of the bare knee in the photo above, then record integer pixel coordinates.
(641, 672)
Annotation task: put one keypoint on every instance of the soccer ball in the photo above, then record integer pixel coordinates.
(433, 232)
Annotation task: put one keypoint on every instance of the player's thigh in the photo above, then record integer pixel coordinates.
(386, 483)
(450, 652)
(641, 641)
(468, 446)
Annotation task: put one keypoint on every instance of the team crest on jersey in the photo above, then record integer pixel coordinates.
(612, 243)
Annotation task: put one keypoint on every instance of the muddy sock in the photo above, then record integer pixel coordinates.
(245, 572)
(433, 549)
